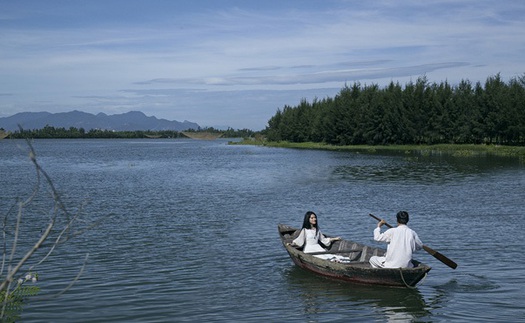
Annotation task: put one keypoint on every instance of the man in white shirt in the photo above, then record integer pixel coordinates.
(402, 242)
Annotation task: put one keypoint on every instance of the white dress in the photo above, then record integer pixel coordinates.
(312, 238)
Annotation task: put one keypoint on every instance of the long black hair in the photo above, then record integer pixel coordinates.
(306, 221)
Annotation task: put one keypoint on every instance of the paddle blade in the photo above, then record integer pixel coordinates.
(440, 257)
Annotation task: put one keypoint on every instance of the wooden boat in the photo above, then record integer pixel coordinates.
(358, 269)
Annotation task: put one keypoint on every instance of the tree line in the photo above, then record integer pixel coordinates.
(50, 132)
(418, 113)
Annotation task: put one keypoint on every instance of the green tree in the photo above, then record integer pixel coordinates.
(419, 113)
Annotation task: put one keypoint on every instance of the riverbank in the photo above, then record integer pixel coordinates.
(453, 150)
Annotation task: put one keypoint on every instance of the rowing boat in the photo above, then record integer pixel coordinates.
(357, 269)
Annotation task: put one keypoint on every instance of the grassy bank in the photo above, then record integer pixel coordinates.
(454, 150)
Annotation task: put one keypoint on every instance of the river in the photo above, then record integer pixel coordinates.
(187, 231)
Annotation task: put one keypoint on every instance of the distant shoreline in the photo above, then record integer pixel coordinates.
(74, 133)
(463, 150)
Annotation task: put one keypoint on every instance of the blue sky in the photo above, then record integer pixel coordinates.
(234, 63)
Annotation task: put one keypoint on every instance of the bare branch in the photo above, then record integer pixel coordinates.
(61, 236)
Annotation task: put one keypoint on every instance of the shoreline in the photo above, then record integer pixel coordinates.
(463, 150)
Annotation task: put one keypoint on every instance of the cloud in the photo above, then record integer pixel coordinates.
(190, 59)
(320, 77)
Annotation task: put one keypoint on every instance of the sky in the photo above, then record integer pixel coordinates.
(227, 63)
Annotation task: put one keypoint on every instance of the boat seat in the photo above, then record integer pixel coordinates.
(364, 252)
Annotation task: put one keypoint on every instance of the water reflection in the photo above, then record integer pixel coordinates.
(394, 172)
(441, 168)
(322, 296)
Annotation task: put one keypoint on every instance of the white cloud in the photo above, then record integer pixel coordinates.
(233, 57)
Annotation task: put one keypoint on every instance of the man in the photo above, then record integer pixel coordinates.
(402, 242)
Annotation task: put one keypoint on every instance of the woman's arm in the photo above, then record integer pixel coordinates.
(299, 241)
(327, 241)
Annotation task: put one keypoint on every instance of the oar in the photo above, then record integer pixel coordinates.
(431, 251)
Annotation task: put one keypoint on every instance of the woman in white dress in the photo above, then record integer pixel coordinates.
(310, 237)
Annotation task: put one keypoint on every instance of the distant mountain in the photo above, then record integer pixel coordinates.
(129, 121)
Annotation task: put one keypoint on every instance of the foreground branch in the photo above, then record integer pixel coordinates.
(8, 292)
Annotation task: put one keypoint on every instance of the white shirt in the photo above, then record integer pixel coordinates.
(309, 238)
(403, 241)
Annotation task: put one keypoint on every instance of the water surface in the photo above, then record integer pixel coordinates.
(189, 231)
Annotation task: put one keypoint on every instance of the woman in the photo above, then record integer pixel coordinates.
(310, 237)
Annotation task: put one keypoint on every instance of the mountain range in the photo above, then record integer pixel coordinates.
(130, 121)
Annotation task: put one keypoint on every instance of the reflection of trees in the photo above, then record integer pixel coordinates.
(320, 295)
